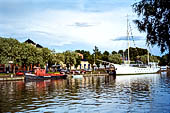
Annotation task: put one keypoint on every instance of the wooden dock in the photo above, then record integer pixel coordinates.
(12, 78)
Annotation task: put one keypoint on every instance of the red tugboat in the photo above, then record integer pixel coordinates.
(40, 74)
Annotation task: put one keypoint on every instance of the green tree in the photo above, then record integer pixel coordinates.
(70, 58)
(91, 59)
(105, 57)
(97, 55)
(114, 52)
(134, 52)
(154, 19)
(59, 57)
(164, 60)
(10, 51)
(78, 61)
(3, 51)
(46, 53)
(86, 54)
(144, 59)
(31, 55)
(120, 52)
(115, 58)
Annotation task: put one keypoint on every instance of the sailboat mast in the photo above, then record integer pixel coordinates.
(128, 40)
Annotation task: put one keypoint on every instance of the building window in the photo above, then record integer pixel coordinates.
(88, 66)
(84, 66)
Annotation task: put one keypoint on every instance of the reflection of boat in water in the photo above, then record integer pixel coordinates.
(40, 74)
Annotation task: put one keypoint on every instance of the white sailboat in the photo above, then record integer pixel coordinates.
(128, 68)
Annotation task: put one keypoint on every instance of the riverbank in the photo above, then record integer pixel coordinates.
(10, 77)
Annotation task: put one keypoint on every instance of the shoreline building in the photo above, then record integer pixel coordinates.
(84, 64)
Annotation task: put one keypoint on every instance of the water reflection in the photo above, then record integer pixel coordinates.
(133, 93)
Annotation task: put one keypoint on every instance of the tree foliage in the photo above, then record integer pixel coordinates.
(134, 52)
(144, 59)
(24, 54)
(164, 60)
(105, 56)
(121, 52)
(71, 58)
(154, 19)
(115, 58)
(97, 55)
(114, 52)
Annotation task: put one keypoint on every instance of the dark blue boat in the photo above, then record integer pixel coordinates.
(45, 77)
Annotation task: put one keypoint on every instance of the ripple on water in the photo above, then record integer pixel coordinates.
(97, 94)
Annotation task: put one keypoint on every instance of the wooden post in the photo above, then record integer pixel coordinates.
(31, 67)
(28, 68)
(14, 68)
(11, 66)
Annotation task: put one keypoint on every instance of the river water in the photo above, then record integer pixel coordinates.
(96, 94)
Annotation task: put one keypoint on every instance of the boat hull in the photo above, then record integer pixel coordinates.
(128, 70)
(34, 77)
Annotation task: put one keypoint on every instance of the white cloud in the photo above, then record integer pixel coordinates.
(52, 27)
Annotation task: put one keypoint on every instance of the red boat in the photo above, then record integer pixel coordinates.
(41, 74)
(19, 73)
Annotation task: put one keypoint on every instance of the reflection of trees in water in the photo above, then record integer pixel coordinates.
(90, 83)
(139, 86)
(139, 92)
(19, 95)
(10, 91)
(168, 73)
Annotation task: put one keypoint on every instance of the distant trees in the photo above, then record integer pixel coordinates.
(114, 52)
(144, 59)
(105, 57)
(24, 54)
(115, 58)
(97, 55)
(134, 52)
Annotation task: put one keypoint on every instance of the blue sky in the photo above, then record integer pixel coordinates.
(71, 24)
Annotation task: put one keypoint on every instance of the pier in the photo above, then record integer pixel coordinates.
(11, 78)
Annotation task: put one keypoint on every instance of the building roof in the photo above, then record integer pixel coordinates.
(39, 46)
(29, 41)
(84, 60)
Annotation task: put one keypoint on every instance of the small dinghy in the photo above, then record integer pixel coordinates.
(77, 76)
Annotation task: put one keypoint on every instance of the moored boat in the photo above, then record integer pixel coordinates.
(77, 76)
(112, 70)
(138, 68)
(40, 74)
